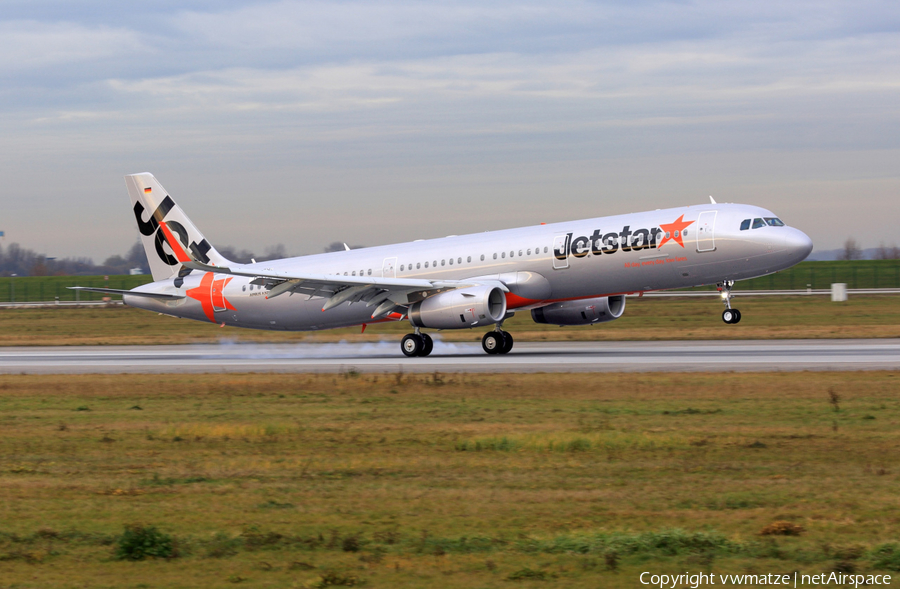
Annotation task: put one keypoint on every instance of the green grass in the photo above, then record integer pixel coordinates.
(857, 274)
(864, 316)
(443, 480)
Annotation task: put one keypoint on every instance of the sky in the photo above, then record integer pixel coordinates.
(305, 123)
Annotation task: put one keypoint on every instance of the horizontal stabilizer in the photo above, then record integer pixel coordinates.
(137, 293)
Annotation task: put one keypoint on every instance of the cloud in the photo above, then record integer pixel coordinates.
(27, 45)
(457, 101)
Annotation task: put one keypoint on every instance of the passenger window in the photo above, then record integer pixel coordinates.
(354, 273)
(529, 251)
(401, 267)
(369, 273)
(459, 260)
(774, 222)
(520, 253)
(757, 223)
(745, 224)
(418, 265)
(469, 259)
(426, 264)
(435, 264)
(495, 256)
(503, 255)
(443, 262)
(451, 261)
(545, 249)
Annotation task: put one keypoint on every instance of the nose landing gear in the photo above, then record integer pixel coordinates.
(729, 315)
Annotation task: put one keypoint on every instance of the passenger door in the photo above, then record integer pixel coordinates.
(706, 231)
(389, 268)
(561, 251)
(217, 292)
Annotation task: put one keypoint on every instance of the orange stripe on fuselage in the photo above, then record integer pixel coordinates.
(514, 301)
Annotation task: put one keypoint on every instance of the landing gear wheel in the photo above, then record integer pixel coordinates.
(731, 316)
(493, 342)
(427, 344)
(412, 344)
(507, 342)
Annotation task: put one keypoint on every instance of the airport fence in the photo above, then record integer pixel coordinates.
(22, 289)
(856, 274)
(821, 275)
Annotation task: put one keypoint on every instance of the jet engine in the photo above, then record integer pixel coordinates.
(581, 312)
(463, 307)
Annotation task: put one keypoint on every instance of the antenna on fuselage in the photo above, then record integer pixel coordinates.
(712, 200)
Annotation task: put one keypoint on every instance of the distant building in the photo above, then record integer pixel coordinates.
(135, 271)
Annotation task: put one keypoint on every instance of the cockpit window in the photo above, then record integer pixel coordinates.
(757, 223)
(745, 224)
(774, 222)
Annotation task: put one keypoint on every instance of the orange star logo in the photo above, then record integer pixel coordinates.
(674, 231)
(211, 294)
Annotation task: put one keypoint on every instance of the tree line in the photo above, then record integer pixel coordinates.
(16, 260)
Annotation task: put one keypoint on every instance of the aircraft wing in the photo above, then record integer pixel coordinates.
(386, 293)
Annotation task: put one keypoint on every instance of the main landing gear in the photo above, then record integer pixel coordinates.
(421, 344)
(729, 315)
(417, 344)
(497, 342)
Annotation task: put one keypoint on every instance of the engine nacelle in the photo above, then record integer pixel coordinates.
(583, 312)
(460, 308)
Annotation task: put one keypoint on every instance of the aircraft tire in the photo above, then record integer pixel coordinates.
(427, 344)
(728, 316)
(737, 318)
(411, 345)
(507, 343)
(493, 342)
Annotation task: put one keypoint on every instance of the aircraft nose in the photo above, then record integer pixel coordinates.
(797, 243)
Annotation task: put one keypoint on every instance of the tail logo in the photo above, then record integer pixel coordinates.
(165, 234)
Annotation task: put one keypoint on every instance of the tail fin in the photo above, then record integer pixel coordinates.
(168, 236)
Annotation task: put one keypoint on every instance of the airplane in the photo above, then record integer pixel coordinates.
(569, 273)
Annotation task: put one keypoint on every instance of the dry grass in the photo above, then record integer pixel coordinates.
(588, 479)
(644, 319)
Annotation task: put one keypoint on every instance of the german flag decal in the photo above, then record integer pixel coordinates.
(148, 190)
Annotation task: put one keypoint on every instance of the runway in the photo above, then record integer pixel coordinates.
(680, 356)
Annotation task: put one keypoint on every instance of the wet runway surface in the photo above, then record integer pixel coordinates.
(682, 356)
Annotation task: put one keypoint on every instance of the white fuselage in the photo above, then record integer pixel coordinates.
(539, 264)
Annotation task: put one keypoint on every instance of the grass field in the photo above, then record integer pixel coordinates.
(444, 481)
(856, 274)
(862, 316)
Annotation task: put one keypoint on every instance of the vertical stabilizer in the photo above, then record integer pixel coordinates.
(168, 236)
